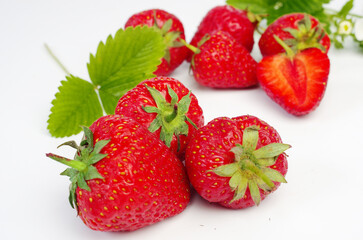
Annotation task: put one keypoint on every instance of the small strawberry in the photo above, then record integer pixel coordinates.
(221, 62)
(228, 19)
(172, 30)
(165, 106)
(299, 31)
(295, 80)
(236, 162)
(123, 177)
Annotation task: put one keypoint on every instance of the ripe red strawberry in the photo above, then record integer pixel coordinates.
(172, 29)
(299, 31)
(295, 80)
(165, 106)
(236, 162)
(221, 62)
(228, 19)
(124, 177)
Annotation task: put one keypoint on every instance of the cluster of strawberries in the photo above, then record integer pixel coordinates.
(293, 71)
(137, 167)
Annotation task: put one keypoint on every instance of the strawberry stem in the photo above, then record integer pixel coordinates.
(248, 164)
(56, 59)
(170, 117)
(80, 166)
(289, 52)
(192, 48)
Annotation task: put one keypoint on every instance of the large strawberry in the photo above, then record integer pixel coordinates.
(228, 19)
(222, 62)
(172, 30)
(165, 106)
(123, 177)
(299, 31)
(236, 162)
(295, 80)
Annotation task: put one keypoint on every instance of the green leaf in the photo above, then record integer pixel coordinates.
(173, 95)
(99, 145)
(191, 122)
(81, 181)
(250, 138)
(184, 103)
(238, 151)
(74, 105)
(71, 143)
(312, 7)
(255, 6)
(96, 158)
(346, 9)
(151, 109)
(274, 175)
(88, 135)
(155, 124)
(167, 26)
(227, 170)
(262, 185)
(72, 195)
(92, 173)
(157, 96)
(337, 43)
(266, 161)
(271, 150)
(241, 188)
(255, 192)
(166, 136)
(277, 8)
(126, 59)
(69, 172)
(236, 178)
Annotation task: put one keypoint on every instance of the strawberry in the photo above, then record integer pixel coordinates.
(123, 177)
(295, 80)
(221, 62)
(236, 162)
(172, 30)
(165, 106)
(299, 31)
(228, 19)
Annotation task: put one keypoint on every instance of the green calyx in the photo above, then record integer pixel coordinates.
(81, 169)
(304, 37)
(171, 116)
(251, 166)
(171, 38)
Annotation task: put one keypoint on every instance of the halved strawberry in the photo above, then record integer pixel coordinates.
(296, 81)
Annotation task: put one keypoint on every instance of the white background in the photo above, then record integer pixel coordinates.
(324, 194)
